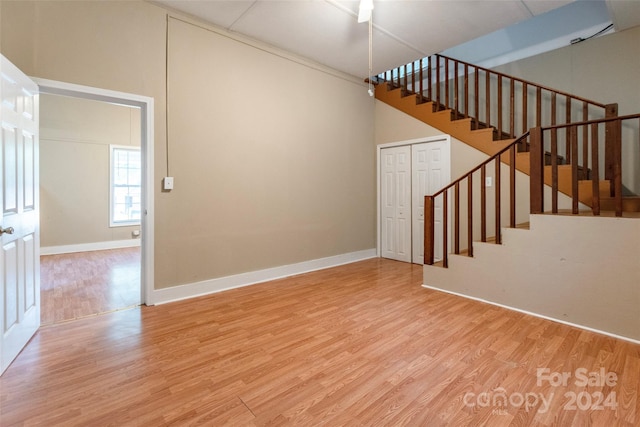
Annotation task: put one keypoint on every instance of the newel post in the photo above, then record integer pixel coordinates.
(613, 156)
(429, 230)
(536, 171)
(611, 143)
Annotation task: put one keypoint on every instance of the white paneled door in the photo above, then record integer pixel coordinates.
(19, 205)
(395, 173)
(428, 167)
(407, 174)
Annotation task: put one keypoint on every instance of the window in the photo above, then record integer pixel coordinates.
(126, 188)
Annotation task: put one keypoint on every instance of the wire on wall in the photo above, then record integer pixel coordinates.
(371, 54)
(166, 93)
(581, 39)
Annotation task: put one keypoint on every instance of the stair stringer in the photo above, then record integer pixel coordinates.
(481, 139)
(579, 270)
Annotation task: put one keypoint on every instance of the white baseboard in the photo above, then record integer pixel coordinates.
(176, 293)
(86, 247)
(531, 313)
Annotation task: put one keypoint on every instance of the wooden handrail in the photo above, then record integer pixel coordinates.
(539, 156)
(590, 146)
(590, 122)
(486, 162)
(497, 73)
(429, 229)
(514, 99)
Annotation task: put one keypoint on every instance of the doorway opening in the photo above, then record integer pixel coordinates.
(90, 207)
(125, 258)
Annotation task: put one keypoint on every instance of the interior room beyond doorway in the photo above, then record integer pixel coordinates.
(90, 207)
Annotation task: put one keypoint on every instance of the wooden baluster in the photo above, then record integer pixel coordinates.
(446, 84)
(512, 186)
(573, 139)
(512, 112)
(456, 220)
(421, 82)
(476, 103)
(554, 171)
(429, 90)
(466, 90)
(617, 177)
(456, 108)
(483, 203)
(488, 96)
(470, 215)
(610, 143)
(567, 119)
(553, 115)
(429, 230)
(405, 80)
(538, 107)
(437, 83)
(499, 106)
(585, 142)
(554, 156)
(595, 170)
(445, 228)
(525, 107)
(536, 171)
(498, 207)
(413, 77)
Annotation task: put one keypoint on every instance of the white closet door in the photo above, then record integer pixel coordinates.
(395, 195)
(429, 167)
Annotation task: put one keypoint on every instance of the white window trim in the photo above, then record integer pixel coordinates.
(112, 223)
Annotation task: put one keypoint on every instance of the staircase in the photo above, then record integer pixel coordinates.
(579, 268)
(563, 142)
(482, 139)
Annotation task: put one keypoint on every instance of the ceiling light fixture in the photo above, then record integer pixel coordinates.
(365, 14)
(364, 11)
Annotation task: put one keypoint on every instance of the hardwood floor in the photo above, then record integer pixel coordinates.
(82, 284)
(359, 345)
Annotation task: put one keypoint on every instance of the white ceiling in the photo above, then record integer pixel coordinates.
(327, 32)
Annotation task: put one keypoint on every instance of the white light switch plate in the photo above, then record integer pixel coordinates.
(167, 183)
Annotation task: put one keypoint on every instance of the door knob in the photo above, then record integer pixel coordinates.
(8, 230)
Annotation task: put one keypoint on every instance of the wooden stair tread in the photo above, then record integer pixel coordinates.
(629, 204)
(603, 213)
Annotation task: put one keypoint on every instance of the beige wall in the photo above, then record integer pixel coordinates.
(569, 279)
(75, 135)
(603, 69)
(279, 168)
(272, 156)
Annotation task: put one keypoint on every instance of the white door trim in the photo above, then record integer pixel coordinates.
(439, 138)
(146, 106)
